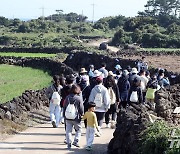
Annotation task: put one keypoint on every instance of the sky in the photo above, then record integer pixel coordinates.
(28, 9)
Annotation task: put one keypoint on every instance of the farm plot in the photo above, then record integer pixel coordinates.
(14, 80)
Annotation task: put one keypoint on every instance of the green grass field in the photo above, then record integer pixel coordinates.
(26, 54)
(14, 80)
(162, 49)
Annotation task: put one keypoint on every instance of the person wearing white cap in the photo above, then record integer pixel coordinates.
(118, 72)
(93, 81)
(134, 74)
(84, 76)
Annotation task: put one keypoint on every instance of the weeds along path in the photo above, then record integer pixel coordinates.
(96, 43)
(43, 139)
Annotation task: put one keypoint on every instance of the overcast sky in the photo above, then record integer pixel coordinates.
(33, 8)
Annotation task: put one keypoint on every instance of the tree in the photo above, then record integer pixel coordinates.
(4, 21)
(162, 7)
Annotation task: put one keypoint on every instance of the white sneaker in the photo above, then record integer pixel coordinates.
(107, 125)
(113, 124)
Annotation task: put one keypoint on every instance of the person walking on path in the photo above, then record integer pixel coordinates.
(114, 100)
(135, 92)
(124, 86)
(53, 93)
(92, 125)
(100, 96)
(103, 70)
(133, 75)
(73, 111)
(144, 81)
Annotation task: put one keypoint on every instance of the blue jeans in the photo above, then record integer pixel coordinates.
(54, 111)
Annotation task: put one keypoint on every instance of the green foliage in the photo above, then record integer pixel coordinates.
(10, 54)
(108, 23)
(154, 140)
(14, 80)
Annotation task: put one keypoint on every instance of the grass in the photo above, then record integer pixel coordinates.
(14, 80)
(26, 54)
(161, 49)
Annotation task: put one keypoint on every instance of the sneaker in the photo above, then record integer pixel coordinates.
(88, 148)
(107, 125)
(76, 144)
(54, 124)
(113, 124)
(97, 134)
(65, 141)
(69, 146)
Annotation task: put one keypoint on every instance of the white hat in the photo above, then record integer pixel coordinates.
(134, 70)
(97, 73)
(111, 73)
(83, 70)
(125, 72)
(118, 67)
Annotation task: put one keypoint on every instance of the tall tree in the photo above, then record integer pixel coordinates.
(162, 7)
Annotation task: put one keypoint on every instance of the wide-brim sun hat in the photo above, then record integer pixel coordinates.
(83, 70)
(134, 70)
(97, 73)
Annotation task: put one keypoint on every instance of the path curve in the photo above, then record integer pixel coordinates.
(96, 43)
(43, 139)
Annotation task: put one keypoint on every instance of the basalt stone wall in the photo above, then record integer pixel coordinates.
(28, 101)
(131, 122)
(37, 50)
(51, 66)
(84, 59)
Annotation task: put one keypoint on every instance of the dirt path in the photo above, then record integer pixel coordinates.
(96, 43)
(43, 139)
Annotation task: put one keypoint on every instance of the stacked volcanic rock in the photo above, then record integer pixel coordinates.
(52, 66)
(132, 121)
(30, 100)
(130, 124)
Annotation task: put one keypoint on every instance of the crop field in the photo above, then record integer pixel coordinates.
(14, 54)
(162, 49)
(14, 80)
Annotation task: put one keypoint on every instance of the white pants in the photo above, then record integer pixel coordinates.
(90, 131)
(70, 124)
(54, 111)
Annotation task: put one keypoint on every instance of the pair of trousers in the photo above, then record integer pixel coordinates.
(100, 118)
(69, 127)
(55, 115)
(111, 111)
(90, 131)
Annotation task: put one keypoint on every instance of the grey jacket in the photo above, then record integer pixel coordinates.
(78, 102)
(105, 97)
(52, 89)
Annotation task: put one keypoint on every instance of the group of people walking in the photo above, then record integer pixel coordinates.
(98, 94)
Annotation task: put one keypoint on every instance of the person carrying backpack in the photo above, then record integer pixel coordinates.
(53, 93)
(100, 96)
(124, 86)
(114, 100)
(162, 80)
(152, 87)
(73, 111)
(135, 92)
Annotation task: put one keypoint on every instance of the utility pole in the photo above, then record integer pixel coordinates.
(93, 13)
(42, 13)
